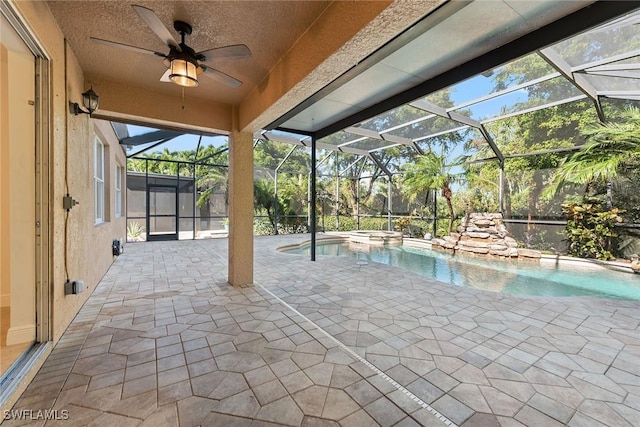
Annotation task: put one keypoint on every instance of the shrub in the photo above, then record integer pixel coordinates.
(289, 225)
(262, 226)
(403, 224)
(348, 223)
(590, 231)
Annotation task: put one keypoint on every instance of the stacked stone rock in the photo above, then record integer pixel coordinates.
(483, 233)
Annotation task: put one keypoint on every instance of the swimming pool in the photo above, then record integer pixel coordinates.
(513, 277)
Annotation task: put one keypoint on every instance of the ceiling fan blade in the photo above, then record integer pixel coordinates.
(125, 46)
(165, 77)
(230, 52)
(221, 77)
(156, 25)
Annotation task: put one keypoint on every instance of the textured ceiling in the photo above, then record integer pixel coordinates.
(268, 28)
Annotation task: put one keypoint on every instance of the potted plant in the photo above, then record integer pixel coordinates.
(134, 231)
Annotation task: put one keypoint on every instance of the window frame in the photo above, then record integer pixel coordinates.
(98, 182)
(118, 191)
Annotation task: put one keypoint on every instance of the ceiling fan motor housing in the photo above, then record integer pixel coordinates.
(182, 28)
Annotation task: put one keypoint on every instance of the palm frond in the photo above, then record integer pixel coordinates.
(610, 149)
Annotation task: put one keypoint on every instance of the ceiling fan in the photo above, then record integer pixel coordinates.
(184, 64)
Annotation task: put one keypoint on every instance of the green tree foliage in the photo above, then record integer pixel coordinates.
(357, 170)
(291, 202)
(430, 172)
(269, 154)
(612, 151)
(210, 167)
(549, 131)
(264, 200)
(546, 131)
(607, 162)
(373, 188)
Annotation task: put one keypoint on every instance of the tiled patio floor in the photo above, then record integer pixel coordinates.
(165, 341)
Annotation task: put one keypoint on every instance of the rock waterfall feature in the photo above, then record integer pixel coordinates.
(483, 233)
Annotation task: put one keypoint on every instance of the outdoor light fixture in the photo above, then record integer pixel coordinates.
(184, 71)
(90, 100)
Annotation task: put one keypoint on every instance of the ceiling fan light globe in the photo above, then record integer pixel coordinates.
(183, 72)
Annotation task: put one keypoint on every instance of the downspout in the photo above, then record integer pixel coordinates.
(389, 203)
(358, 202)
(501, 186)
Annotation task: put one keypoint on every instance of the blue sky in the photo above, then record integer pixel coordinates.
(184, 142)
(479, 86)
(470, 89)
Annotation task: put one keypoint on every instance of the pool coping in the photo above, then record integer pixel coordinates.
(547, 259)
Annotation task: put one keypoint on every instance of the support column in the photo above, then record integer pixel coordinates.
(358, 201)
(501, 189)
(275, 202)
(337, 194)
(312, 198)
(390, 203)
(435, 213)
(240, 208)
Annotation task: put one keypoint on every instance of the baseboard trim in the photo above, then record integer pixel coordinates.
(21, 334)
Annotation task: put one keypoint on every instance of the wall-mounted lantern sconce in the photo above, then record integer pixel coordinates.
(90, 100)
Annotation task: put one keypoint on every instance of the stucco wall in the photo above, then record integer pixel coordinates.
(88, 245)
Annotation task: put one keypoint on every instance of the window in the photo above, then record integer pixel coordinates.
(98, 179)
(118, 187)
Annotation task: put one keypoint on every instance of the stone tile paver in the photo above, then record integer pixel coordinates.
(165, 340)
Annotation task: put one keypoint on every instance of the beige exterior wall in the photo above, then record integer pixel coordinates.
(165, 111)
(88, 245)
(77, 244)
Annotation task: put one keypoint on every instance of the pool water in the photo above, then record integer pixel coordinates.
(508, 276)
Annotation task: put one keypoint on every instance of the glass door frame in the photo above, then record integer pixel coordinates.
(21, 368)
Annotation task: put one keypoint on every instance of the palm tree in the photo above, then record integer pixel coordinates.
(612, 151)
(429, 172)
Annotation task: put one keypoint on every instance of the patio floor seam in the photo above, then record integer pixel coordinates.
(356, 356)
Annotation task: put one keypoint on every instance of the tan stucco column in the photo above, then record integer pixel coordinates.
(240, 208)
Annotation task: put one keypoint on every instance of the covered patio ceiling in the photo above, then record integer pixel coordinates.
(447, 50)
(296, 48)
